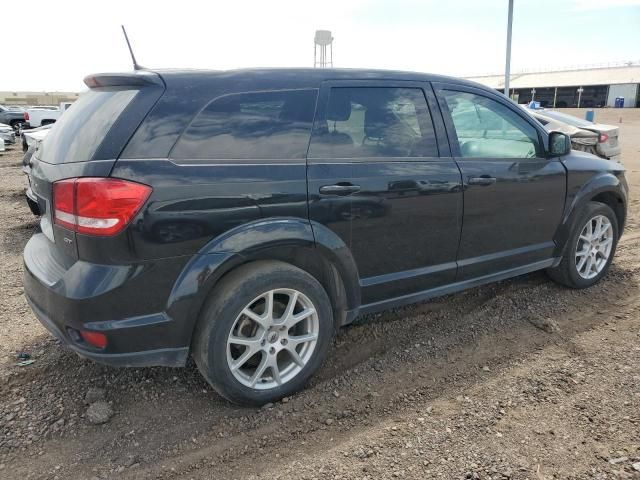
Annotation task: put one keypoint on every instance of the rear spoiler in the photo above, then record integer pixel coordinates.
(128, 79)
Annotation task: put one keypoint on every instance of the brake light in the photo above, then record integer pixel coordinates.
(603, 138)
(97, 206)
(26, 116)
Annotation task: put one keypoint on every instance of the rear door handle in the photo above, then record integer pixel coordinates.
(483, 180)
(339, 189)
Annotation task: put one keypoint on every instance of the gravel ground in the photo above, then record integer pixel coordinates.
(522, 379)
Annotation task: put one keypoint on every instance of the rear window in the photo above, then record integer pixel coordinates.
(252, 125)
(76, 136)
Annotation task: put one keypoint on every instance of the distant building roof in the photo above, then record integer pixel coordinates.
(566, 78)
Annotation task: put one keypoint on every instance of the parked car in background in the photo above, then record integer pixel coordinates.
(607, 145)
(13, 116)
(7, 133)
(33, 136)
(584, 140)
(36, 117)
(241, 217)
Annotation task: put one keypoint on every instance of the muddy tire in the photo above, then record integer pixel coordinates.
(590, 248)
(265, 329)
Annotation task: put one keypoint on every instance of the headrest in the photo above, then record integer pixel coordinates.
(376, 122)
(339, 109)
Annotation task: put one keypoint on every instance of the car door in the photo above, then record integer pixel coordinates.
(513, 194)
(380, 177)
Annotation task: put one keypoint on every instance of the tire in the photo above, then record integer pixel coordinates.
(223, 322)
(17, 126)
(567, 273)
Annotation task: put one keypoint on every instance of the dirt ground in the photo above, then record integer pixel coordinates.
(522, 379)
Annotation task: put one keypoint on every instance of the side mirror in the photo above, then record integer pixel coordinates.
(559, 144)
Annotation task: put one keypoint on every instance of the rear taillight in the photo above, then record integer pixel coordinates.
(97, 206)
(603, 138)
(26, 116)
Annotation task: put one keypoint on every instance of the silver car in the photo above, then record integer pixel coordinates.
(607, 145)
(7, 134)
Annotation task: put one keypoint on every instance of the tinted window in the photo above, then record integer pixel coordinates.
(486, 128)
(76, 136)
(374, 122)
(255, 125)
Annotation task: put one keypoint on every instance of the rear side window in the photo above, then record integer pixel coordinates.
(253, 125)
(76, 136)
(374, 122)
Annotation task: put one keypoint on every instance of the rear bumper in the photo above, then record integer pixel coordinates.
(609, 152)
(170, 357)
(124, 302)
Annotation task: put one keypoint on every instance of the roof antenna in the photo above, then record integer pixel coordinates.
(136, 66)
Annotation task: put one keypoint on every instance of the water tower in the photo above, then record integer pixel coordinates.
(322, 40)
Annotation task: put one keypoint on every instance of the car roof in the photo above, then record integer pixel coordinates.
(312, 77)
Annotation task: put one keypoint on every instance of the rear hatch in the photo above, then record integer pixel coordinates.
(88, 139)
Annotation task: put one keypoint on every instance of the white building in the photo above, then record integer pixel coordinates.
(588, 87)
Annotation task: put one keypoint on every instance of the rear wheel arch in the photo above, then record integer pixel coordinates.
(288, 240)
(313, 260)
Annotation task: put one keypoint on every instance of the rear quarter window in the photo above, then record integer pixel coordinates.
(251, 125)
(78, 133)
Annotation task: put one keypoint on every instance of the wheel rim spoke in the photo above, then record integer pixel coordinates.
(299, 339)
(294, 319)
(259, 319)
(295, 357)
(288, 313)
(275, 372)
(257, 375)
(252, 342)
(598, 231)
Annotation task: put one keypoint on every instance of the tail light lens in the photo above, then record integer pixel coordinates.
(97, 206)
(26, 116)
(603, 138)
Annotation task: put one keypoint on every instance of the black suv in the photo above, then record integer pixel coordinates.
(242, 216)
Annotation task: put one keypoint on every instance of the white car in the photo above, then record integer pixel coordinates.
(7, 133)
(43, 115)
(34, 136)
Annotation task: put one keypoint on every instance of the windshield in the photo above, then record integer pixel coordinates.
(568, 119)
(79, 132)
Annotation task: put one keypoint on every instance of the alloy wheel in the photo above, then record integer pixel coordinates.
(594, 247)
(272, 339)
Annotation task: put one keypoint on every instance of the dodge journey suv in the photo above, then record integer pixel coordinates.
(241, 217)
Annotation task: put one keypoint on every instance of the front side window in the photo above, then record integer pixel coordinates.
(253, 125)
(487, 129)
(374, 122)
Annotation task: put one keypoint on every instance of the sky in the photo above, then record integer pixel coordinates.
(454, 37)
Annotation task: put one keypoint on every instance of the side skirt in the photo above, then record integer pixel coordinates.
(451, 288)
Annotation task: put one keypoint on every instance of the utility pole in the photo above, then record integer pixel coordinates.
(507, 67)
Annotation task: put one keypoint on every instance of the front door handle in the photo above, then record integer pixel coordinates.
(483, 180)
(340, 189)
